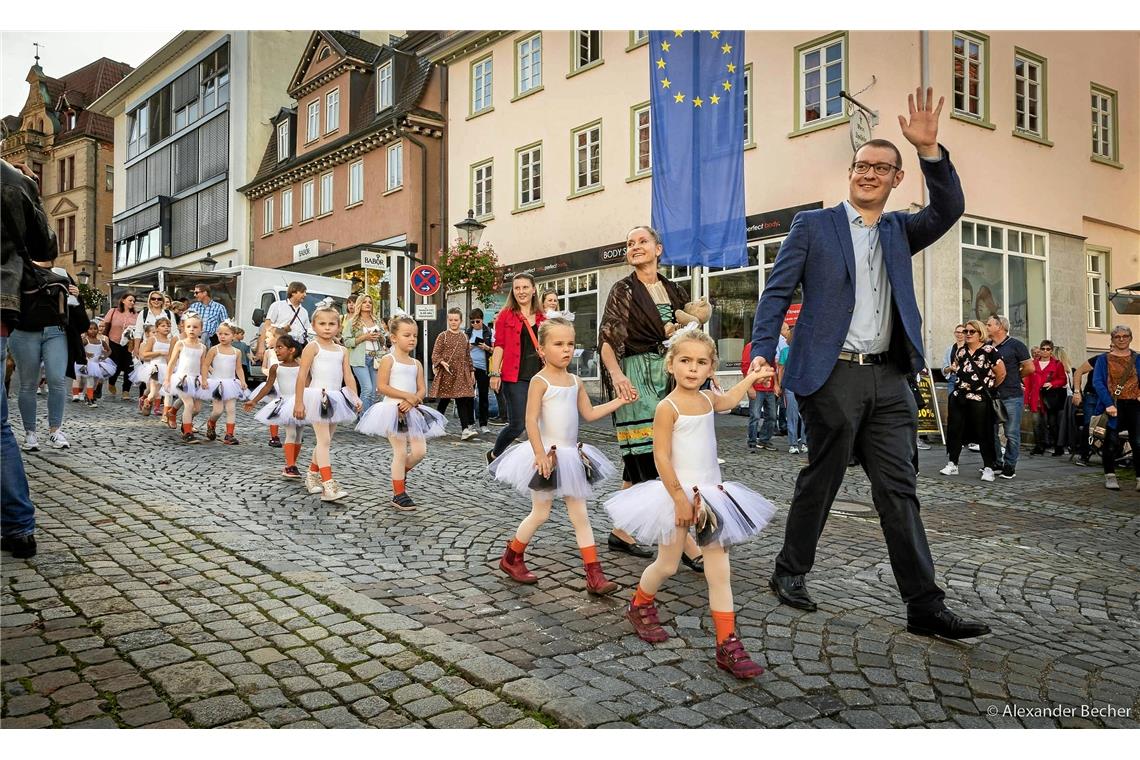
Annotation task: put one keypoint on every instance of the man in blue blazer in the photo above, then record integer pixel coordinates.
(862, 335)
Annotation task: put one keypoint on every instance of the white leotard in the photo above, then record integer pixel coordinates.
(558, 420)
(327, 370)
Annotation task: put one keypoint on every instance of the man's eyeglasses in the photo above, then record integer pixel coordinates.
(970, 332)
(862, 167)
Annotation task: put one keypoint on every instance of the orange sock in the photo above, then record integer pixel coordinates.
(90, 394)
(291, 452)
(273, 431)
(518, 547)
(589, 554)
(230, 428)
(725, 624)
(326, 473)
(397, 487)
(640, 599)
(186, 427)
(313, 467)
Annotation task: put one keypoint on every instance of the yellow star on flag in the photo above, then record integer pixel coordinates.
(726, 48)
(732, 68)
(679, 97)
(665, 83)
(660, 63)
(665, 46)
(714, 99)
(715, 35)
(697, 102)
(678, 33)
(727, 85)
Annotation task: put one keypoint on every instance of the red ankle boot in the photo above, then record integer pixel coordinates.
(731, 656)
(596, 581)
(645, 622)
(512, 564)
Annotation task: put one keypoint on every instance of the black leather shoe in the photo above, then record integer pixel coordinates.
(792, 591)
(696, 564)
(944, 623)
(22, 547)
(635, 548)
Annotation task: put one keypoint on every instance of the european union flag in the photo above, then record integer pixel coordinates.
(697, 137)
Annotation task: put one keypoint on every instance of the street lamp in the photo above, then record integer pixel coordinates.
(208, 264)
(471, 228)
(84, 276)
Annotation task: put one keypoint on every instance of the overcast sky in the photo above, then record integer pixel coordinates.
(64, 52)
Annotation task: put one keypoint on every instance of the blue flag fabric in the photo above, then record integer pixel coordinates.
(697, 138)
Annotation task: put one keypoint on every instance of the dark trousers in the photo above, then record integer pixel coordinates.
(1047, 429)
(970, 421)
(1127, 418)
(869, 411)
(466, 407)
(515, 395)
(482, 385)
(123, 364)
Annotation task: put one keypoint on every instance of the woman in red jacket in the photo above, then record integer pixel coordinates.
(1045, 395)
(516, 358)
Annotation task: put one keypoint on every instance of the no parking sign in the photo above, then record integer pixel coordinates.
(426, 280)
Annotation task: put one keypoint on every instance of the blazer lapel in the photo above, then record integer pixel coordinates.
(842, 231)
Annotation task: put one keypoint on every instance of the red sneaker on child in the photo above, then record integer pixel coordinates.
(645, 622)
(730, 656)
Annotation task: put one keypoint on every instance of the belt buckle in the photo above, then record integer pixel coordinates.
(860, 359)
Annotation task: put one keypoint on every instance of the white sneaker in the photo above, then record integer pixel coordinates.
(31, 442)
(988, 475)
(950, 469)
(484, 430)
(313, 482)
(793, 449)
(923, 445)
(330, 491)
(76, 397)
(468, 433)
(803, 449)
(974, 447)
(1110, 482)
(58, 440)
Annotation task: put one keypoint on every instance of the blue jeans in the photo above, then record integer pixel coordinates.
(366, 386)
(797, 431)
(515, 395)
(17, 513)
(764, 404)
(29, 348)
(1014, 407)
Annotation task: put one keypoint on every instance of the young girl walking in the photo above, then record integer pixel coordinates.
(281, 379)
(690, 493)
(552, 463)
(401, 417)
(320, 401)
(225, 383)
(152, 371)
(99, 365)
(269, 359)
(184, 375)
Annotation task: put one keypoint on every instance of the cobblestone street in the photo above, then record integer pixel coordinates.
(204, 590)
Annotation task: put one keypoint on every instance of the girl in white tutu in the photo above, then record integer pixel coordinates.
(281, 379)
(225, 383)
(402, 416)
(552, 462)
(325, 394)
(690, 492)
(99, 364)
(268, 360)
(185, 374)
(154, 353)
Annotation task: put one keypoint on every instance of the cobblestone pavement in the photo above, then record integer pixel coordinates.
(203, 590)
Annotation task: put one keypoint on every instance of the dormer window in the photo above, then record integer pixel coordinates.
(70, 118)
(283, 141)
(384, 86)
(325, 53)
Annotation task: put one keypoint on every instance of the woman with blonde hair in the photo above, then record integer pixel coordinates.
(979, 369)
(363, 336)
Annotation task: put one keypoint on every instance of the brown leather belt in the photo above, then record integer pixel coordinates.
(854, 358)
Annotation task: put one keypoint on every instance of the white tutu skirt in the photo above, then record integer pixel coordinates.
(225, 389)
(187, 384)
(646, 512)
(340, 407)
(515, 467)
(384, 419)
(275, 412)
(100, 370)
(146, 371)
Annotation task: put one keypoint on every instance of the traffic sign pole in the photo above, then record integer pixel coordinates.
(426, 281)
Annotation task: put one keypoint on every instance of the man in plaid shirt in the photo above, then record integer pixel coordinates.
(212, 313)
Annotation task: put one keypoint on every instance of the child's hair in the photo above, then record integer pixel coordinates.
(192, 316)
(396, 320)
(692, 336)
(147, 330)
(549, 324)
(326, 309)
(161, 321)
(238, 332)
(289, 341)
(93, 323)
(456, 310)
(227, 325)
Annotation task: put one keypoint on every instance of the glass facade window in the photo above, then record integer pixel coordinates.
(1003, 272)
(579, 294)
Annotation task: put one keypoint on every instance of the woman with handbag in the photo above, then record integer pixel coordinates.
(978, 369)
(117, 321)
(1046, 392)
(364, 337)
(516, 358)
(454, 373)
(1118, 394)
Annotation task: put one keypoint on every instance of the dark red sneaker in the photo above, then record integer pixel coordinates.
(291, 472)
(596, 581)
(731, 656)
(645, 622)
(512, 564)
(274, 442)
(230, 440)
(211, 430)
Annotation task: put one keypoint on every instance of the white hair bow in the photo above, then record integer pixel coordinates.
(567, 315)
(683, 331)
(324, 303)
(398, 312)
